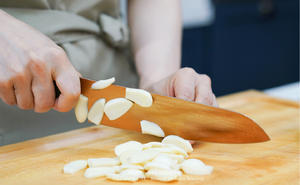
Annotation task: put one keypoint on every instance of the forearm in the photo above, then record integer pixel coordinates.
(156, 38)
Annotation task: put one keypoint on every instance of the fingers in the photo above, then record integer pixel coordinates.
(23, 92)
(204, 94)
(68, 83)
(184, 84)
(7, 92)
(42, 87)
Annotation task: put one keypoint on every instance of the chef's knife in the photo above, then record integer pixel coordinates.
(189, 120)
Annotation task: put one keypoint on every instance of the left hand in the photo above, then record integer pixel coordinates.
(188, 85)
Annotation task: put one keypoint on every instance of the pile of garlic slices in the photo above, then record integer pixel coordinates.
(162, 161)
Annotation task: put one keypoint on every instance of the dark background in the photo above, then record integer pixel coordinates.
(250, 45)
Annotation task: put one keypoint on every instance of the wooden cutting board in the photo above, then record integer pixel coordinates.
(40, 161)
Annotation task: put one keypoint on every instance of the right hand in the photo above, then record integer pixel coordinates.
(29, 63)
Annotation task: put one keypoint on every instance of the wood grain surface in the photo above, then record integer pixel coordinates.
(40, 161)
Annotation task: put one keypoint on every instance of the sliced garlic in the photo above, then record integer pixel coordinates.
(127, 175)
(133, 172)
(129, 145)
(143, 157)
(98, 172)
(157, 165)
(139, 96)
(178, 141)
(101, 84)
(75, 166)
(161, 159)
(81, 109)
(196, 167)
(100, 162)
(151, 128)
(96, 112)
(163, 175)
(172, 149)
(124, 157)
(117, 107)
(178, 158)
(152, 145)
(130, 166)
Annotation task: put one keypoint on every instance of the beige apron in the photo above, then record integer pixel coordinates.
(96, 42)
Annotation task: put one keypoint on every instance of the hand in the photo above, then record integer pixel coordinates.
(29, 63)
(188, 85)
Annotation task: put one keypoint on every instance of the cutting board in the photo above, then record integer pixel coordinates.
(40, 161)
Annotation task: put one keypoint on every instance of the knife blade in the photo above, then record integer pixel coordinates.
(186, 119)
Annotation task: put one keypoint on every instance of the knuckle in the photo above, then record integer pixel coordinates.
(37, 66)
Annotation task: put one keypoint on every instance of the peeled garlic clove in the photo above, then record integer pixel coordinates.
(98, 171)
(81, 109)
(96, 112)
(157, 165)
(119, 177)
(133, 173)
(151, 128)
(100, 162)
(124, 157)
(195, 167)
(130, 166)
(117, 107)
(178, 141)
(101, 84)
(143, 156)
(176, 157)
(127, 175)
(75, 166)
(161, 159)
(139, 96)
(171, 149)
(163, 175)
(129, 145)
(152, 145)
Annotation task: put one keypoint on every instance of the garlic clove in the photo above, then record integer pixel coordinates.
(152, 145)
(117, 107)
(96, 112)
(178, 141)
(75, 166)
(195, 167)
(81, 109)
(151, 128)
(99, 162)
(129, 145)
(163, 175)
(139, 96)
(98, 172)
(101, 84)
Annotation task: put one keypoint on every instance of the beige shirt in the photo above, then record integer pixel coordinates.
(96, 44)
